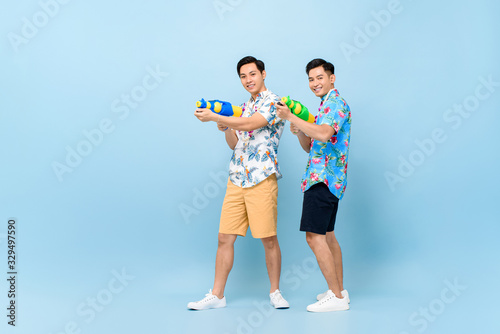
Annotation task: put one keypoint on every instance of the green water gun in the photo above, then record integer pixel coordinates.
(298, 109)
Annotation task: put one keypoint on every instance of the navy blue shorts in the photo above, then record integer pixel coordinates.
(319, 209)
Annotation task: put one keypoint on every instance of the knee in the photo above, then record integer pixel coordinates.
(330, 237)
(312, 240)
(270, 242)
(332, 240)
(226, 240)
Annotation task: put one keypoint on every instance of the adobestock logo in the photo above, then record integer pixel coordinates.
(203, 195)
(292, 278)
(97, 303)
(424, 316)
(363, 37)
(122, 106)
(428, 146)
(31, 26)
(222, 7)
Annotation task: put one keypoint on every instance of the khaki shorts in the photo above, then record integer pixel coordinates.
(256, 207)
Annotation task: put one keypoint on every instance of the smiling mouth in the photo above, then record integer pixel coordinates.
(251, 86)
(317, 89)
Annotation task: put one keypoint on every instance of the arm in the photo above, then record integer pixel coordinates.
(231, 138)
(305, 141)
(322, 133)
(253, 122)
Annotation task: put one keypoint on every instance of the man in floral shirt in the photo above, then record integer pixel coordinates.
(252, 188)
(324, 181)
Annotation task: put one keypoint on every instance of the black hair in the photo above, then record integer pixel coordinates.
(328, 67)
(249, 60)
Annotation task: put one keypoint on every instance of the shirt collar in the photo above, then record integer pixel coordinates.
(329, 93)
(260, 95)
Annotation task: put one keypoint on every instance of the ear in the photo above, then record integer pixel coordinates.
(264, 74)
(332, 79)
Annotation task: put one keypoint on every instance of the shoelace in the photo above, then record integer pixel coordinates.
(208, 297)
(325, 299)
(277, 297)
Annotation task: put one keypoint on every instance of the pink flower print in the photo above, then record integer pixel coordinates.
(336, 127)
(346, 143)
(327, 110)
(314, 177)
(341, 114)
(337, 186)
(342, 158)
(316, 161)
(303, 185)
(333, 140)
(326, 182)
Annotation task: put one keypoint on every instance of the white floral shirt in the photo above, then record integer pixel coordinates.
(255, 156)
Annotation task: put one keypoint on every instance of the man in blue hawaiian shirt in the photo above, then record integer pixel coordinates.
(252, 189)
(324, 181)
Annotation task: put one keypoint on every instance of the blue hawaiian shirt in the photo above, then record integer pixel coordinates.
(328, 161)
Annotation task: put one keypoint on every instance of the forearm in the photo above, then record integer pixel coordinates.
(321, 133)
(240, 123)
(304, 141)
(231, 138)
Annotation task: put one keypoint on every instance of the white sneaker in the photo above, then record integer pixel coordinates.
(277, 300)
(210, 301)
(344, 293)
(329, 303)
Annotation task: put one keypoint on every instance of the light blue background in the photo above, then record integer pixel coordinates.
(120, 208)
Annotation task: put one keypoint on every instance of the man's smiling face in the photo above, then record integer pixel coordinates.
(321, 81)
(252, 79)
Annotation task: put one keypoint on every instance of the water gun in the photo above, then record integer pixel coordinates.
(220, 107)
(298, 109)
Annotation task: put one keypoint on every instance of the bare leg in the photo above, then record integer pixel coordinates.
(223, 262)
(273, 260)
(325, 259)
(334, 246)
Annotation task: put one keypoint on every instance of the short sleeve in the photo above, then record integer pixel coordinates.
(334, 115)
(268, 110)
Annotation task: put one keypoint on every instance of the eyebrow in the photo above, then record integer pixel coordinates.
(319, 75)
(248, 73)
